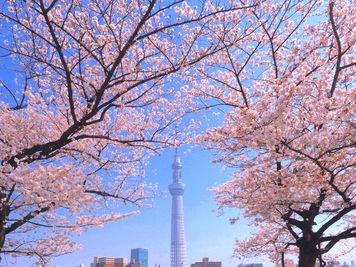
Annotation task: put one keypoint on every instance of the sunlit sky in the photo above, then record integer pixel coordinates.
(207, 234)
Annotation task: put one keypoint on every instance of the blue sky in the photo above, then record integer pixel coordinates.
(207, 234)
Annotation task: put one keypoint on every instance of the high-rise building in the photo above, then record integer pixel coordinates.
(134, 264)
(109, 262)
(178, 248)
(140, 255)
(207, 263)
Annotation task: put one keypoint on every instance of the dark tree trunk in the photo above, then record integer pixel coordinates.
(308, 255)
(3, 217)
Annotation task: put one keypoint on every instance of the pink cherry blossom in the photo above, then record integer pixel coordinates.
(289, 128)
(96, 96)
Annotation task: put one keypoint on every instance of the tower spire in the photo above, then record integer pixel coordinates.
(178, 247)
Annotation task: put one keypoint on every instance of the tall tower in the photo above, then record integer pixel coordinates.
(178, 249)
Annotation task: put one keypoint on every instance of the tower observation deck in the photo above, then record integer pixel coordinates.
(178, 247)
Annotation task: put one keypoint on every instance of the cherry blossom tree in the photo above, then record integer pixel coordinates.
(96, 92)
(287, 93)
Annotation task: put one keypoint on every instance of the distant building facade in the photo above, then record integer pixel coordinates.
(140, 255)
(251, 265)
(109, 262)
(134, 264)
(207, 263)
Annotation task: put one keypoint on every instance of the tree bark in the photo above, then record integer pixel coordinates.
(307, 256)
(3, 218)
